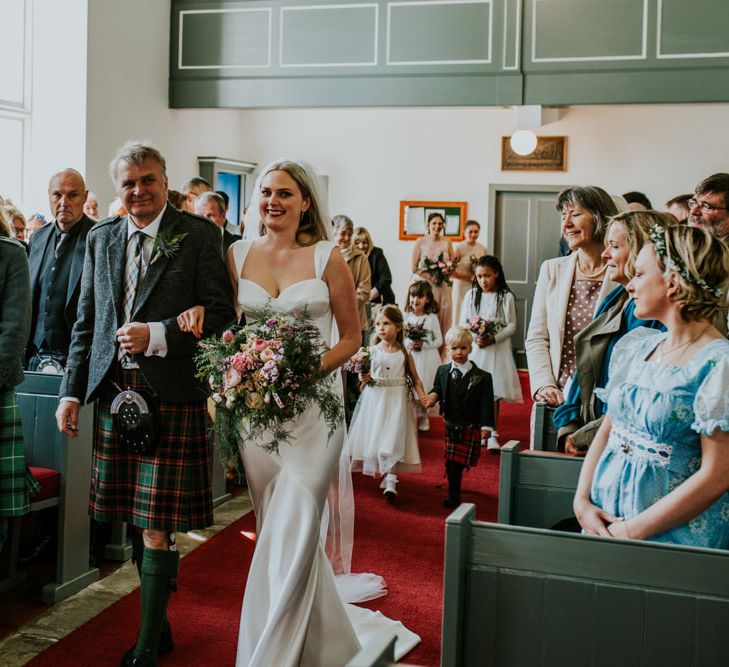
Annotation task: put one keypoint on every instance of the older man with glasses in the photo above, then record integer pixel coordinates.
(709, 207)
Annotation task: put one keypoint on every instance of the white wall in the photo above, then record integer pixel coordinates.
(376, 157)
(128, 70)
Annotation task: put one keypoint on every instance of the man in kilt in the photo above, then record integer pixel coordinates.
(16, 482)
(140, 272)
(466, 397)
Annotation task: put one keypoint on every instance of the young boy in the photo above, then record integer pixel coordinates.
(466, 398)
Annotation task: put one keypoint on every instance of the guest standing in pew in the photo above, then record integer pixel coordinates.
(579, 417)
(466, 397)
(658, 468)
(56, 262)
(568, 292)
(380, 277)
(139, 273)
(16, 482)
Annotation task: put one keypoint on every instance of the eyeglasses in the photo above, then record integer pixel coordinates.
(705, 206)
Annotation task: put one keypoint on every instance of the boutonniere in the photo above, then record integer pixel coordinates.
(474, 380)
(167, 244)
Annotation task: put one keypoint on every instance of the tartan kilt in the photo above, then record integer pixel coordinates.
(168, 490)
(17, 484)
(467, 450)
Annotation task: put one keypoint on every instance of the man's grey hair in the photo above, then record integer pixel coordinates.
(206, 196)
(136, 152)
(194, 182)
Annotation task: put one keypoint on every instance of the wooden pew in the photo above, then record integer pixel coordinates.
(519, 596)
(47, 448)
(545, 434)
(536, 488)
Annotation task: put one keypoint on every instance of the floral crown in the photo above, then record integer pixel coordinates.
(658, 239)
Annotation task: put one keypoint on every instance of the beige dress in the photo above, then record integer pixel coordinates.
(441, 293)
(465, 265)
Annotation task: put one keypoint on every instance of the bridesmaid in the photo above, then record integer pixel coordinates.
(432, 245)
(467, 252)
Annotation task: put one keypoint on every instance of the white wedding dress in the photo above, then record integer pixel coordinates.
(293, 613)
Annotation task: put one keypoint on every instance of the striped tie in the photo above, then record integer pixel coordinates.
(133, 269)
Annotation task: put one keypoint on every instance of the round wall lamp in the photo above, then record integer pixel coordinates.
(523, 142)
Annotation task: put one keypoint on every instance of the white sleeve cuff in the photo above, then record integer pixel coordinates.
(70, 399)
(157, 340)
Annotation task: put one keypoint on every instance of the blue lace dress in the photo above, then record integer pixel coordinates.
(659, 413)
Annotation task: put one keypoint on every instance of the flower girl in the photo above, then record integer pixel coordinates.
(382, 437)
(423, 338)
(490, 314)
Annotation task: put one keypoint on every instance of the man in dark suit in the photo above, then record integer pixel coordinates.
(211, 205)
(56, 262)
(140, 272)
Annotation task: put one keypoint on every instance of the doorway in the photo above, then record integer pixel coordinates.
(524, 233)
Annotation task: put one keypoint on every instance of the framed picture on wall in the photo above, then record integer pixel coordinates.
(414, 217)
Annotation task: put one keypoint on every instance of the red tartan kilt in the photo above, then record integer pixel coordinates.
(467, 450)
(169, 490)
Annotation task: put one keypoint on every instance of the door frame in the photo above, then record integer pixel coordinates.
(495, 188)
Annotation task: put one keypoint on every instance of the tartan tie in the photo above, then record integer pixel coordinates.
(456, 374)
(133, 270)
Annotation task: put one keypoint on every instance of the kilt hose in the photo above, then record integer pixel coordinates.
(168, 490)
(17, 484)
(467, 450)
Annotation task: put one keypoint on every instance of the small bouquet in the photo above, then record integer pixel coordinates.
(438, 268)
(262, 376)
(478, 326)
(472, 259)
(360, 362)
(417, 332)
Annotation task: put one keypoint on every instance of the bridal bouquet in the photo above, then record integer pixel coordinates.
(417, 332)
(263, 375)
(438, 268)
(478, 326)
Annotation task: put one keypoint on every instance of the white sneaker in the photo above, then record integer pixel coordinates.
(390, 491)
(423, 423)
(493, 444)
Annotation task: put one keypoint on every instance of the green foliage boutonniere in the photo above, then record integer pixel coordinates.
(167, 244)
(473, 381)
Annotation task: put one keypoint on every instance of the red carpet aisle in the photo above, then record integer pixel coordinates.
(403, 543)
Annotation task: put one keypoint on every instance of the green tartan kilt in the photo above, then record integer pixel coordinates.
(168, 490)
(17, 485)
(466, 451)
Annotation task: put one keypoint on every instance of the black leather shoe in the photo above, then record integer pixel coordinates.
(451, 503)
(145, 659)
(165, 645)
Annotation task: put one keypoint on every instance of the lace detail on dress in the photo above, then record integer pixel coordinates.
(640, 448)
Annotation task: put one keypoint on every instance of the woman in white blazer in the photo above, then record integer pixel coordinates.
(569, 290)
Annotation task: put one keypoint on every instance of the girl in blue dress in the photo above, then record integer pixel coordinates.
(658, 468)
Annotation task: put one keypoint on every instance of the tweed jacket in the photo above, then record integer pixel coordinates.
(545, 335)
(39, 243)
(360, 267)
(194, 275)
(478, 402)
(14, 310)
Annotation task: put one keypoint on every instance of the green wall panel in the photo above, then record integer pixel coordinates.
(236, 37)
(512, 34)
(439, 32)
(693, 29)
(587, 29)
(332, 36)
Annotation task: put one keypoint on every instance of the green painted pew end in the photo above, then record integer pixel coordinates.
(46, 447)
(545, 434)
(536, 488)
(516, 596)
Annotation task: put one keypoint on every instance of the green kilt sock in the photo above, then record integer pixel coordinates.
(159, 572)
(137, 557)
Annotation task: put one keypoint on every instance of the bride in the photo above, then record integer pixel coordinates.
(293, 613)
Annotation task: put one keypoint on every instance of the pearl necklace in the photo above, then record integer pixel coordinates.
(591, 276)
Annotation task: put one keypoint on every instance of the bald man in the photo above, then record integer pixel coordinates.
(56, 262)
